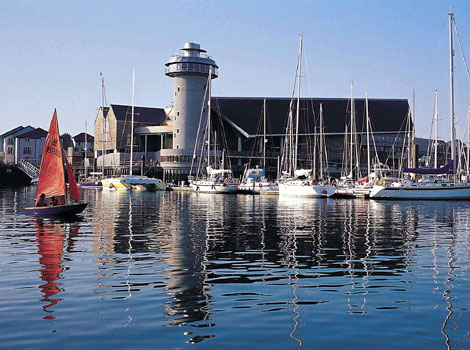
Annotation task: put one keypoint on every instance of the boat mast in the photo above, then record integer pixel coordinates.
(412, 122)
(103, 138)
(321, 142)
(468, 141)
(264, 135)
(132, 122)
(353, 131)
(408, 122)
(85, 150)
(298, 103)
(367, 132)
(209, 119)
(436, 127)
(451, 86)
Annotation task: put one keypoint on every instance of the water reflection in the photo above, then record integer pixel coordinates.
(248, 269)
(50, 238)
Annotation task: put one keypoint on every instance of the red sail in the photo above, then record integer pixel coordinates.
(73, 188)
(51, 180)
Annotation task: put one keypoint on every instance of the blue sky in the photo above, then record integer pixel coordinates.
(53, 51)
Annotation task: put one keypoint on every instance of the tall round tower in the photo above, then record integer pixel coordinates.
(190, 72)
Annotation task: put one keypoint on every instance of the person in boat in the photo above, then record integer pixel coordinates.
(54, 201)
(41, 201)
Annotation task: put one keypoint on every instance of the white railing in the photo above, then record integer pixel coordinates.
(29, 169)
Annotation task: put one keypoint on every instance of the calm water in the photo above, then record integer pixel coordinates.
(180, 271)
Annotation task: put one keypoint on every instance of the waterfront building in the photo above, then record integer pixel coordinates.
(167, 136)
(8, 143)
(117, 139)
(29, 146)
(76, 151)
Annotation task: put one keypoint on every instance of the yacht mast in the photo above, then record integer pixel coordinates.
(264, 135)
(367, 132)
(103, 137)
(132, 123)
(412, 121)
(85, 151)
(321, 142)
(436, 128)
(209, 119)
(298, 103)
(468, 141)
(451, 86)
(353, 149)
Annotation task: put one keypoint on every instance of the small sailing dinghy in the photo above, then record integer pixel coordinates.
(51, 181)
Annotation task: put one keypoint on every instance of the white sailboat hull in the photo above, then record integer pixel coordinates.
(265, 187)
(201, 186)
(299, 189)
(429, 191)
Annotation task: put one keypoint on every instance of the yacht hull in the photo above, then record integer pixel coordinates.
(301, 190)
(260, 188)
(424, 192)
(211, 187)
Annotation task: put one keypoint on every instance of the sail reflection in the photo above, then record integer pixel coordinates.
(50, 238)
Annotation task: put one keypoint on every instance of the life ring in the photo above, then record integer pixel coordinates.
(260, 185)
(333, 182)
(382, 182)
(314, 182)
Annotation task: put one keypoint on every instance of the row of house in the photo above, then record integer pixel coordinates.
(26, 143)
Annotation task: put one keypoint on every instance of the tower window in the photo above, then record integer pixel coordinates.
(177, 131)
(178, 113)
(178, 88)
(177, 146)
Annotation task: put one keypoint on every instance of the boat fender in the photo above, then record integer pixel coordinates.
(226, 181)
(314, 182)
(382, 182)
(333, 182)
(197, 189)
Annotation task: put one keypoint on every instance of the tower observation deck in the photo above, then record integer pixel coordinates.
(193, 61)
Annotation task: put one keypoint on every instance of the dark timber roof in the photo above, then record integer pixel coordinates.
(387, 115)
(146, 115)
(81, 137)
(33, 134)
(15, 130)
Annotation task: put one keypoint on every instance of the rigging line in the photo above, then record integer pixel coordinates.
(201, 115)
(435, 49)
(461, 50)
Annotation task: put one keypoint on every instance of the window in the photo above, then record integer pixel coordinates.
(10, 141)
(178, 89)
(26, 139)
(27, 150)
(9, 150)
(174, 135)
(178, 114)
(177, 131)
(177, 146)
